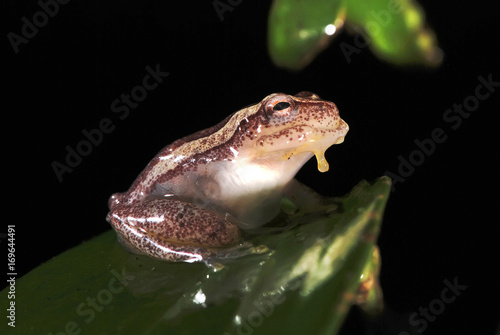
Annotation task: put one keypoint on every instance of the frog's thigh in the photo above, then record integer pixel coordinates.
(174, 222)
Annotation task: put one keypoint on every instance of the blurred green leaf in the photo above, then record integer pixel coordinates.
(296, 29)
(395, 30)
(311, 272)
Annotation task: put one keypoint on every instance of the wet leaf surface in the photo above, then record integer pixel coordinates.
(310, 271)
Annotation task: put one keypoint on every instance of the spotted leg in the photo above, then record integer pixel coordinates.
(171, 230)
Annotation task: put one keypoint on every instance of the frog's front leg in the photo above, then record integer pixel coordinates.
(171, 229)
(306, 199)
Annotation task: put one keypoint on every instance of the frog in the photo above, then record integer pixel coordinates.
(198, 194)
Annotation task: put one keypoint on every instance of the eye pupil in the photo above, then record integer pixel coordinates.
(281, 105)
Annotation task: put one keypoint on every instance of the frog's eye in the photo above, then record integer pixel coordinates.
(279, 107)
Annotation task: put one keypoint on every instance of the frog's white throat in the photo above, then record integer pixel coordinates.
(268, 173)
(252, 189)
(311, 141)
(251, 185)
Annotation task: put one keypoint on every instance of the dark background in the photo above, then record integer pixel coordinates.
(440, 223)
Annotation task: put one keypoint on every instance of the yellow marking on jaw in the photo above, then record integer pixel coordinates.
(322, 163)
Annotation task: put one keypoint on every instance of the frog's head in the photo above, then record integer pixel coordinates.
(294, 128)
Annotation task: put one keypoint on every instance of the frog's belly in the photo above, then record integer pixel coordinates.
(239, 180)
(251, 193)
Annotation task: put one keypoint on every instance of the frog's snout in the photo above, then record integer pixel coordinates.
(343, 128)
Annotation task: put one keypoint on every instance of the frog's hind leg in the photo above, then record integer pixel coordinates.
(157, 247)
(172, 230)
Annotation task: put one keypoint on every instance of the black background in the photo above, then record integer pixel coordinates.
(440, 223)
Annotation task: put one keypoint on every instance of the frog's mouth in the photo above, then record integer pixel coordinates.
(297, 140)
(319, 141)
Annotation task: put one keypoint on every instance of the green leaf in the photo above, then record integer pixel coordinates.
(395, 30)
(311, 271)
(296, 30)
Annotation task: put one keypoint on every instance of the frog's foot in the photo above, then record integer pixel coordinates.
(172, 230)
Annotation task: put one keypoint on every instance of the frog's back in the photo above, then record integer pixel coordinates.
(174, 160)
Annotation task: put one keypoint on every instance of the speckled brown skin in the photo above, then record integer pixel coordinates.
(176, 208)
(172, 229)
